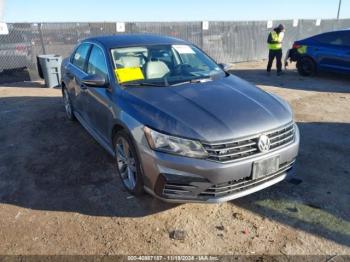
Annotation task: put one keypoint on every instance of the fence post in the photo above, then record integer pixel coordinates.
(42, 39)
(202, 36)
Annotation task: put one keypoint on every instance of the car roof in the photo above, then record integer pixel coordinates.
(323, 33)
(336, 31)
(125, 40)
(342, 30)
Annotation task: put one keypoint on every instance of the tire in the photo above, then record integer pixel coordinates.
(68, 105)
(306, 66)
(128, 164)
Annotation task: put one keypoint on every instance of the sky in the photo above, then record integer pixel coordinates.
(165, 10)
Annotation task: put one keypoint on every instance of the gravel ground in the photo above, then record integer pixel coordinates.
(59, 193)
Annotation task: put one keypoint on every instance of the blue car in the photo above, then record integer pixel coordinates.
(324, 52)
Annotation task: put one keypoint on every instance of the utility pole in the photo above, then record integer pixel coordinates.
(339, 9)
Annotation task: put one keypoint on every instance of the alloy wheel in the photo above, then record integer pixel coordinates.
(126, 163)
(307, 67)
(67, 104)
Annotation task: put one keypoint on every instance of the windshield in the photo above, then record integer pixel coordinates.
(163, 64)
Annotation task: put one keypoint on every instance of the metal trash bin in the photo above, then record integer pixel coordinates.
(49, 67)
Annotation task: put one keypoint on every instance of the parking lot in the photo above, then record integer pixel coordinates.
(59, 193)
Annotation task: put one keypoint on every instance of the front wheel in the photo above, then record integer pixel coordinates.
(306, 66)
(128, 164)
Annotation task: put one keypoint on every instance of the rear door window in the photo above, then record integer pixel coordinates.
(80, 56)
(346, 38)
(334, 38)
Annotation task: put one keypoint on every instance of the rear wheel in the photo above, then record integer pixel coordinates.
(306, 66)
(68, 105)
(128, 164)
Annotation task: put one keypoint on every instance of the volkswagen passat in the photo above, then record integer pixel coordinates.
(178, 125)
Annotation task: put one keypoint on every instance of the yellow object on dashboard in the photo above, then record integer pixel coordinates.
(128, 74)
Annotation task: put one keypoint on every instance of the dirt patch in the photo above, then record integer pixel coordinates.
(59, 193)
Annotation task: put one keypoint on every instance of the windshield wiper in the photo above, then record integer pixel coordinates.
(143, 84)
(195, 80)
(202, 79)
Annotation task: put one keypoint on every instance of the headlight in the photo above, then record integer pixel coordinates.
(174, 145)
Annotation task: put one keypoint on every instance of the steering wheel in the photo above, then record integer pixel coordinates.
(183, 69)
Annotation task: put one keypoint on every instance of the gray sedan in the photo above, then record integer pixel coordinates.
(178, 125)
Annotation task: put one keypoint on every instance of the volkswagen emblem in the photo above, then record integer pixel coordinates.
(264, 143)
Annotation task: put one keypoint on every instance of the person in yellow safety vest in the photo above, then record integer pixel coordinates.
(274, 42)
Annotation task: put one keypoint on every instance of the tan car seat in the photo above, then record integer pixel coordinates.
(156, 69)
(130, 61)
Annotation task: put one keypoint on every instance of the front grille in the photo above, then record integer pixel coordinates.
(236, 186)
(238, 149)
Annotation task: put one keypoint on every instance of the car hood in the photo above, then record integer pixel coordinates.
(217, 110)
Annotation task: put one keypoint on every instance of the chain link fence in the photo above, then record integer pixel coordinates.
(226, 42)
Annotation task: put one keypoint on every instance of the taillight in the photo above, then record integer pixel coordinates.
(296, 46)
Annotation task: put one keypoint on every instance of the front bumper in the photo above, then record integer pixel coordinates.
(181, 179)
(292, 56)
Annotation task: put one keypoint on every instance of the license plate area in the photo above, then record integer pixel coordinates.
(265, 167)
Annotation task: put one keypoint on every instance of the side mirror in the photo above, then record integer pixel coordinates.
(95, 81)
(224, 67)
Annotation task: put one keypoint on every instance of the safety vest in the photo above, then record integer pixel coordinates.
(278, 38)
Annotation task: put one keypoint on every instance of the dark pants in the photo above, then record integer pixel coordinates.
(272, 55)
